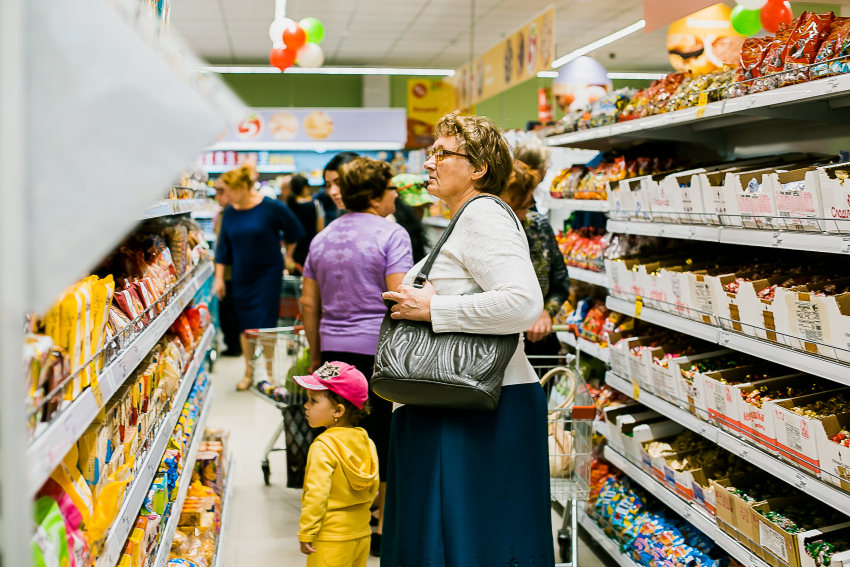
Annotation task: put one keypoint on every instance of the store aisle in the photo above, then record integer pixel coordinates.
(263, 522)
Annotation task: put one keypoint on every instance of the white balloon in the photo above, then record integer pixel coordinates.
(276, 29)
(310, 55)
(751, 4)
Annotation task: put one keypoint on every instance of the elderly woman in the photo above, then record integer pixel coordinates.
(351, 262)
(472, 488)
(545, 256)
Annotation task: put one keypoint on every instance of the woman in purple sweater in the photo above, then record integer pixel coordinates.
(351, 263)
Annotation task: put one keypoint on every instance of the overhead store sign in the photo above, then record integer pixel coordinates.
(516, 59)
(427, 101)
(659, 13)
(318, 128)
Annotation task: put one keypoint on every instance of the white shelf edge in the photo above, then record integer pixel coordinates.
(588, 276)
(136, 492)
(812, 242)
(585, 346)
(183, 483)
(226, 504)
(600, 427)
(47, 450)
(597, 205)
(836, 498)
(605, 542)
(817, 365)
(702, 521)
(175, 207)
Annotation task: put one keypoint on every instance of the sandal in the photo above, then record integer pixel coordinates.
(245, 383)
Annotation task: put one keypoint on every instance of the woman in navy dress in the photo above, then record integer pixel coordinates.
(251, 231)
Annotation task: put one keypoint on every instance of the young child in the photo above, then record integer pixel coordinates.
(341, 479)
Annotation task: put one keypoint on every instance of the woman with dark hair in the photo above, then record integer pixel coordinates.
(329, 196)
(309, 211)
(351, 263)
(409, 209)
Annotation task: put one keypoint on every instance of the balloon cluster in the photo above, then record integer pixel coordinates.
(749, 16)
(296, 42)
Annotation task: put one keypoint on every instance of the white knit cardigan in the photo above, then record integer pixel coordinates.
(485, 282)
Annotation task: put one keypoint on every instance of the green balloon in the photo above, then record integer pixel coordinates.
(314, 28)
(745, 22)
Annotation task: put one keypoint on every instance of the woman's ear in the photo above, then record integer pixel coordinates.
(479, 172)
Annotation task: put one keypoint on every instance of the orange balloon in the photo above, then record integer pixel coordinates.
(294, 36)
(282, 57)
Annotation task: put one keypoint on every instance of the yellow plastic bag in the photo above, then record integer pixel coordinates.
(109, 501)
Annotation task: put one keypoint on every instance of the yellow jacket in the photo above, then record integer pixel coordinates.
(340, 483)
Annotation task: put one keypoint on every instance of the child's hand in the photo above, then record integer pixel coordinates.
(307, 549)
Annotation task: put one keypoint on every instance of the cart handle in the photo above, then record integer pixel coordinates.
(584, 413)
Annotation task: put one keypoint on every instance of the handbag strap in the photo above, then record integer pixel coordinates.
(422, 276)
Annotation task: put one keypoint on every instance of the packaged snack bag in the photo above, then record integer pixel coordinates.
(774, 59)
(49, 543)
(804, 44)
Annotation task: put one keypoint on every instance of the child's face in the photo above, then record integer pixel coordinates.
(321, 411)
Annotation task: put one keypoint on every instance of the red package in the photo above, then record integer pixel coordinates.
(125, 303)
(193, 316)
(183, 331)
(752, 54)
(138, 302)
(804, 44)
(774, 59)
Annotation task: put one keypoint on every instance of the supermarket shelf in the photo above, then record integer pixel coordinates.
(824, 492)
(175, 207)
(588, 276)
(605, 542)
(584, 346)
(831, 243)
(773, 118)
(47, 450)
(136, 492)
(600, 427)
(578, 204)
(183, 484)
(820, 366)
(226, 504)
(438, 222)
(280, 168)
(702, 521)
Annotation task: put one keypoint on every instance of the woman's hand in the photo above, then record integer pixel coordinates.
(315, 362)
(306, 548)
(412, 303)
(541, 328)
(218, 288)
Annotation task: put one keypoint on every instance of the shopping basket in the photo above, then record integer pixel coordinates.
(278, 355)
(570, 429)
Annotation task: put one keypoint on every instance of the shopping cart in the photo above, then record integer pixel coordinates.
(278, 355)
(570, 427)
(290, 295)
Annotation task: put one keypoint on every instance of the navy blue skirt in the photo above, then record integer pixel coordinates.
(470, 489)
(257, 301)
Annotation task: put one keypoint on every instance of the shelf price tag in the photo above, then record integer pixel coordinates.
(703, 100)
(635, 389)
(638, 306)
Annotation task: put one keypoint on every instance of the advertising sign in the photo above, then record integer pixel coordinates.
(427, 101)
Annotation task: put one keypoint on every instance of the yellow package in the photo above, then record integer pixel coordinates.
(92, 453)
(87, 324)
(109, 501)
(70, 332)
(135, 538)
(102, 292)
(68, 476)
(51, 322)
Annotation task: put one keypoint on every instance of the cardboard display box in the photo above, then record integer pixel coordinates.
(838, 559)
(834, 457)
(641, 365)
(757, 424)
(819, 323)
(798, 199)
(667, 381)
(639, 197)
(723, 400)
(835, 196)
(636, 434)
(617, 416)
(797, 436)
(619, 200)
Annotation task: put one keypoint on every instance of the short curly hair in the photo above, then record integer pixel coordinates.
(480, 139)
(242, 177)
(362, 180)
(520, 185)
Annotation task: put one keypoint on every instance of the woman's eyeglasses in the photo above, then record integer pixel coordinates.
(440, 154)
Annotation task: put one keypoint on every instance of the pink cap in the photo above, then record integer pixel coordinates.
(340, 378)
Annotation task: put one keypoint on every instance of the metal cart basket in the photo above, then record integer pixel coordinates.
(570, 427)
(278, 355)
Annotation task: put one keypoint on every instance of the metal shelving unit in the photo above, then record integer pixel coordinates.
(47, 450)
(170, 528)
(136, 492)
(579, 205)
(168, 207)
(584, 346)
(226, 505)
(823, 491)
(605, 542)
(588, 276)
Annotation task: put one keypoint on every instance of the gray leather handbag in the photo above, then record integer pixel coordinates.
(416, 366)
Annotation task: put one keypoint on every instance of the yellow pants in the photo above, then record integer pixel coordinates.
(351, 553)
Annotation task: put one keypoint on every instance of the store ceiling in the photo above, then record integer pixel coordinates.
(414, 33)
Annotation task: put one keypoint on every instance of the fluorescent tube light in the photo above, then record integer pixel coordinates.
(329, 70)
(547, 75)
(648, 76)
(598, 43)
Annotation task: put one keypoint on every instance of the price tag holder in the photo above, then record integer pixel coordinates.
(638, 306)
(635, 389)
(701, 104)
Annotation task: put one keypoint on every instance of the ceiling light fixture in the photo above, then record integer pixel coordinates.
(624, 75)
(547, 75)
(223, 69)
(637, 26)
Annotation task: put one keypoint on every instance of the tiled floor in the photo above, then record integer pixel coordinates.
(263, 520)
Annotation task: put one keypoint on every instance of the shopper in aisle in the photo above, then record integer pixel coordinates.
(341, 480)
(411, 189)
(546, 257)
(309, 211)
(226, 307)
(531, 151)
(409, 210)
(329, 196)
(472, 487)
(251, 232)
(351, 263)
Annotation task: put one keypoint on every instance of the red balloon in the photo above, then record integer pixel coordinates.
(774, 13)
(294, 37)
(282, 57)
